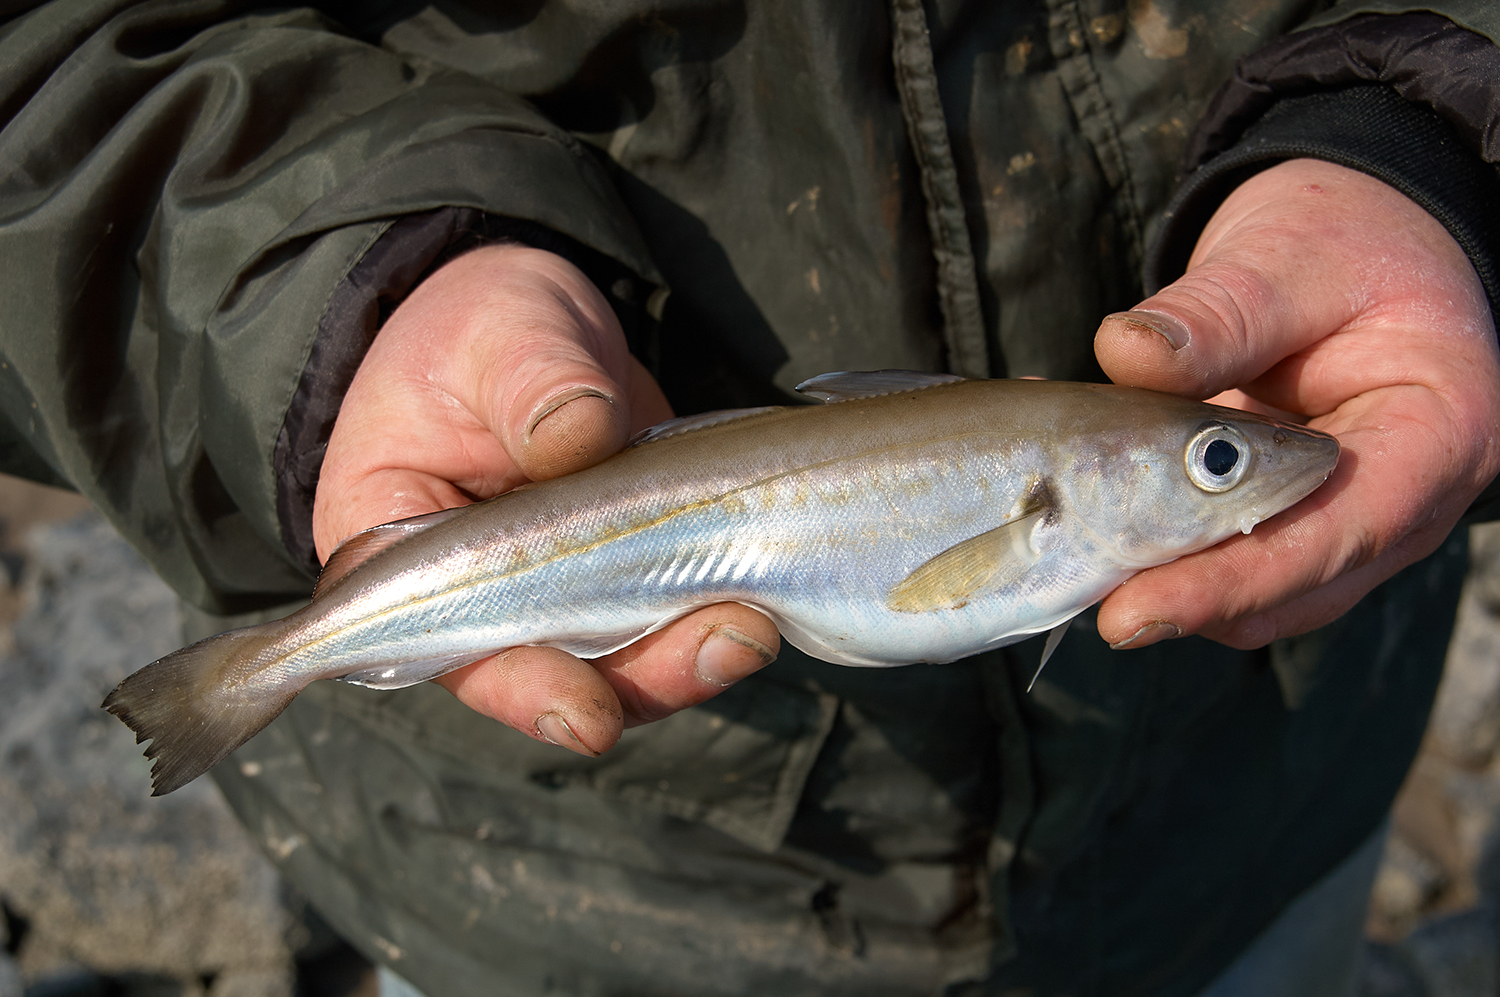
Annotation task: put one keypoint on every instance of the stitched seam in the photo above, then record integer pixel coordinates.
(927, 131)
(1096, 117)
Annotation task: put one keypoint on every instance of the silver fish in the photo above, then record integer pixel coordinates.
(916, 517)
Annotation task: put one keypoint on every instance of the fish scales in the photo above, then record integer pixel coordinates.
(889, 527)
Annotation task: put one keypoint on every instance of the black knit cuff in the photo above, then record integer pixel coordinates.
(1368, 128)
(390, 269)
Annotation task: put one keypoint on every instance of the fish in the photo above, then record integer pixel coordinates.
(910, 517)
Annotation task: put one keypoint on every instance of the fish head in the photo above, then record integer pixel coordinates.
(1168, 476)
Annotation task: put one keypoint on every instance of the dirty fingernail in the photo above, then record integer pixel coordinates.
(1149, 634)
(555, 730)
(561, 409)
(728, 656)
(1165, 326)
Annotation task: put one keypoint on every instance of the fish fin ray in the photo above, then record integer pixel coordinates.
(598, 645)
(689, 423)
(844, 385)
(409, 673)
(358, 549)
(1053, 639)
(192, 716)
(967, 569)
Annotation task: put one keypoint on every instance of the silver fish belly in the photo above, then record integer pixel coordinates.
(916, 518)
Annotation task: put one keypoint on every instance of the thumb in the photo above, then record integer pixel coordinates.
(549, 372)
(1255, 290)
(506, 365)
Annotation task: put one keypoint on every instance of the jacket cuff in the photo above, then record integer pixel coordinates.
(411, 249)
(1397, 97)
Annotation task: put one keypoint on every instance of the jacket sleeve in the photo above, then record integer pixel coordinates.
(190, 194)
(1407, 97)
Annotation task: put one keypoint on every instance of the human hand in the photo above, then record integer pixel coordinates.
(506, 366)
(1328, 295)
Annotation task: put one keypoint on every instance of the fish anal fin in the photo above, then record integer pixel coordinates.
(409, 673)
(977, 565)
(1053, 639)
(358, 549)
(843, 385)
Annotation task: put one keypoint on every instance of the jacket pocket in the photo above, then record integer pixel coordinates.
(738, 763)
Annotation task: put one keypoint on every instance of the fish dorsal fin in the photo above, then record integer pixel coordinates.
(688, 423)
(977, 565)
(843, 385)
(358, 549)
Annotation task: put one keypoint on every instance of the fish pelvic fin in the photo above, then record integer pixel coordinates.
(191, 711)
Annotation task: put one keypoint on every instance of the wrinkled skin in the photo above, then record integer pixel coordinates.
(1324, 293)
(1315, 291)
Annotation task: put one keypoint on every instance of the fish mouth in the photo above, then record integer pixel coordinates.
(1301, 459)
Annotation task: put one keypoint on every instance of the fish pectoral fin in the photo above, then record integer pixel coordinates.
(841, 386)
(977, 565)
(358, 549)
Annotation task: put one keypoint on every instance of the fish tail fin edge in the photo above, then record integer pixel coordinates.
(194, 718)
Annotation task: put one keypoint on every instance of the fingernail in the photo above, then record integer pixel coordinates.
(728, 656)
(560, 400)
(1165, 326)
(555, 730)
(1149, 634)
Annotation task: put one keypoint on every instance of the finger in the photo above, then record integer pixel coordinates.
(694, 659)
(583, 706)
(1223, 324)
(544, 693)
(553, 380)
(1317, 608)
(1346, 537)
(504, 366)
(1257, 288)
(350, 505)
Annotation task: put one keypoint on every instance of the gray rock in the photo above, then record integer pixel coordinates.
(1406, 882)
(158, 890)
(10, 978)
(1466, 716)
(1484, 559)
(1388, 972)
(1458, 955)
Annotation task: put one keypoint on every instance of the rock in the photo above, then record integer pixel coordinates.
(1466, 717)
(151, 895)
(10, 978)
(1388, 972)
(1484, 560)
(1407, 881)
(1458, 955)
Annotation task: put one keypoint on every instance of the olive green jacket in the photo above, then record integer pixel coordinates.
(193, 195)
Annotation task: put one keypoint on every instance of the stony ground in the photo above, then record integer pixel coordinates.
(1435, 912)
(108, 892)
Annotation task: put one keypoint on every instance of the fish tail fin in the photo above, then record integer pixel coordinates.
(189, 709)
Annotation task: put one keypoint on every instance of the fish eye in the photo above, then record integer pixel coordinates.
(1217, 458)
